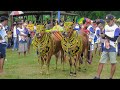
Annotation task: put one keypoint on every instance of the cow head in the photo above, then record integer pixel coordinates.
(40, 31)
(68, 30)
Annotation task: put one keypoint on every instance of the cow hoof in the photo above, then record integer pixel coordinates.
(89, 62)
(74, 75)
(71, 73)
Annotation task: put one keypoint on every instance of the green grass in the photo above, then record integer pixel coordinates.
(28, 68)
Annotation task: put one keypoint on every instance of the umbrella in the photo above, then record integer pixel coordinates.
(16, 13)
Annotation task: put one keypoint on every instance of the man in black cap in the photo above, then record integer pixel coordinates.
(3, 44)
(111, 33)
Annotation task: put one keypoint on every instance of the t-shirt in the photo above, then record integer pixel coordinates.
(3, 33)
(113, 32)
(77, 27)
(92, 33)
(22, 31)
(97, 35)
(14, 31)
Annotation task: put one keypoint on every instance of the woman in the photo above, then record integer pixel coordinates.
(22, 34)
(28, 36)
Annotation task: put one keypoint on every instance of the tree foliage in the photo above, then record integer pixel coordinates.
(96, 14)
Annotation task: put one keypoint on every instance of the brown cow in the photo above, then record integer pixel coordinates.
(85, 41)
(72, 46)
(74, 50)
(47, 46)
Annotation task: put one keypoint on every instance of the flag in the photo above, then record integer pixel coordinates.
(80, 20)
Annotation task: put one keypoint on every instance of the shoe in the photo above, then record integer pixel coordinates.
(96, 77)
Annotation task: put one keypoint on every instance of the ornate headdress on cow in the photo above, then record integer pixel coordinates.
(40, 28)
(68, 25)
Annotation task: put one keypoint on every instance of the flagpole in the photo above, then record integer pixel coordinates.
(58, 16)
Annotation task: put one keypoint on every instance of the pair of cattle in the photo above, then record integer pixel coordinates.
(69, 43)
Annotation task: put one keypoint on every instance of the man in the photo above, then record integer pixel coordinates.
(110, 35)
(15, 38)
(91, 38)
(84, 27)
(77, 27)
(101, 26)
(3, 43)
(97, 36)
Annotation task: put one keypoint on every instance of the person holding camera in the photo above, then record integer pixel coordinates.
(110, 35)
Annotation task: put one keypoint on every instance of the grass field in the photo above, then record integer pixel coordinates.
(28, 68)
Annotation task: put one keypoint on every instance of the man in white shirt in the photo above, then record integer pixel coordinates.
(111, 33)
(97, 36)
(15, 38)
(3, 43)
(91, 39)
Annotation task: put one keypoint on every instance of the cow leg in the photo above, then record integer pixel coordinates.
(86, 55)
(62, 59)
(75, 63)
(89, 53)
(42, 63)
(38, 59)
(45, 63)
(91, 56)
(48, 62)
(56, 55)
(70, 62)
(79, 61)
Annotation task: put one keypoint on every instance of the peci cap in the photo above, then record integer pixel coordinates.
(19, 22)
(109, 17)
(3, 18)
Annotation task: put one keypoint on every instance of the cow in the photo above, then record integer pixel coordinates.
(75, 46)
(47, 45)
(72, 45)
